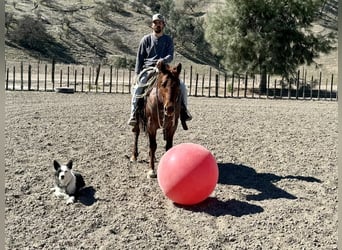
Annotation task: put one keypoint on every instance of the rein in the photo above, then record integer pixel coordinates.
(157, 99)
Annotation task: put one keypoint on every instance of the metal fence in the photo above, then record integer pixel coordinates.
(38, 76)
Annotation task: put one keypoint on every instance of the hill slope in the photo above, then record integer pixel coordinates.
(92, 31)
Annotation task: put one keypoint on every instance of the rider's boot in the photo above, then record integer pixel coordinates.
(132, 121)
(184, 116)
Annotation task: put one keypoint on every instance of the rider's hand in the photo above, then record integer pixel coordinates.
(159, 62)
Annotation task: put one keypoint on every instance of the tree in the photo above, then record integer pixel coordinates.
(264, 36)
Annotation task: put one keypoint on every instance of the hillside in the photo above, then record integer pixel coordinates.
(93, 31)
(80, 29)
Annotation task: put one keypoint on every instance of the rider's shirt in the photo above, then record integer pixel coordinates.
(151, 49)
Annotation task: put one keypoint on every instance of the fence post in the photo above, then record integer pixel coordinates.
(75, 85)
(117, 81)
(7, 74)
(203, 76)
(319, 85)
(29, 77)
(123, 81)
(53, 73)
(196, 84)
(275, 89)
(232, 90)
(268, 86)
(110, 78)
(68, 75)
(129, 80)
(312, 79)
(304, 85)
(297, 84)
(38, 77)
(246, 80)
(225, 85)
(45, 76)
(289, 89)
(209, 82)
(216, 85)
(331, 86)
(60, 77)
(21, 75)
(97, 76)
(14, 79)
(89, 82)
(281, 87)
(190, 80)
(253, 85)
(238, 93)
(82, 79)
(103, 82)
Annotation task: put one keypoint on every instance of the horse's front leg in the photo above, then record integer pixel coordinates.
(169, 138)
(152, 153)
(169, 143)
(135, 152)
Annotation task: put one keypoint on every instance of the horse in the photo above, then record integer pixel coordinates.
(161, 109)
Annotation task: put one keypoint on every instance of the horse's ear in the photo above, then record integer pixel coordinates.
(162, 67)
(179, 68)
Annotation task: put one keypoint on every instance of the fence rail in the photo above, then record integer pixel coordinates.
(108, 79)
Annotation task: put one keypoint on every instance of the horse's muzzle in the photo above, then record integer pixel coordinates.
(169, 110)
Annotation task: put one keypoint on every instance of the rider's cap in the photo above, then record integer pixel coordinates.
(158, 17)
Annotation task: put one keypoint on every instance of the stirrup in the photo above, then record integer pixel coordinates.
(132, 121)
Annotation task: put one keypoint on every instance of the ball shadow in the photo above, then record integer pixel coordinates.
(247, 177)
(216, 207)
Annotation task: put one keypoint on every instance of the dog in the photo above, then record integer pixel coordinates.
(67, 182)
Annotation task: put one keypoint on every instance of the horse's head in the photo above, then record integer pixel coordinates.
(168, 87)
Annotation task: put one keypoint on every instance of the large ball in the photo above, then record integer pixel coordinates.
(187, 173)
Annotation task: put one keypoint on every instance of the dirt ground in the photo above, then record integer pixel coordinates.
(277, 185)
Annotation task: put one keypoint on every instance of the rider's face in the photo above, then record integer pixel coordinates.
(158, 26)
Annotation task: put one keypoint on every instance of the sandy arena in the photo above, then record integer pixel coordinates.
(277, 185)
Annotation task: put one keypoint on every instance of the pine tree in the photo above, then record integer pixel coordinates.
(264, 36)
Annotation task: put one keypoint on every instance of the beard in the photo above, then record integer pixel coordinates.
(157, 29)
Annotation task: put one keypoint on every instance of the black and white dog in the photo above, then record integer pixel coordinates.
(67, 182)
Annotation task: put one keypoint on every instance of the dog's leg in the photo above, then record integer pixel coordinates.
(60, 193)
(70, 200)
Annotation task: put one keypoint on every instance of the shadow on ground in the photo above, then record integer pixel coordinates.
(247, 177)
(86, 196)
(215, 207)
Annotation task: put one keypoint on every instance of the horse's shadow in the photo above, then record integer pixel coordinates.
(86, 196)
(247, 177)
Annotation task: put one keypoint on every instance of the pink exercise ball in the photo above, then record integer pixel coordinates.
(187, 173)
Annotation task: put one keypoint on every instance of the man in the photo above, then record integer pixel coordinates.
(153, 48)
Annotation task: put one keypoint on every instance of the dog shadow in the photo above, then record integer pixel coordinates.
(86, 196)
(247, 177)
(217, 208)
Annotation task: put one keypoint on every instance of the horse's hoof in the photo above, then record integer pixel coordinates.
(151, 174)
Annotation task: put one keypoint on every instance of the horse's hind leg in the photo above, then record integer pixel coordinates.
(135, 152)
(153, 148)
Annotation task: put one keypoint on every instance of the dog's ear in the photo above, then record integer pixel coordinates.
(69, 164)
(56, 165)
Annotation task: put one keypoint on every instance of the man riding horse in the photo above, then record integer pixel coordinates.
(153, 49)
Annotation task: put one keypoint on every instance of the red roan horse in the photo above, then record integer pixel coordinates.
(161, 109)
